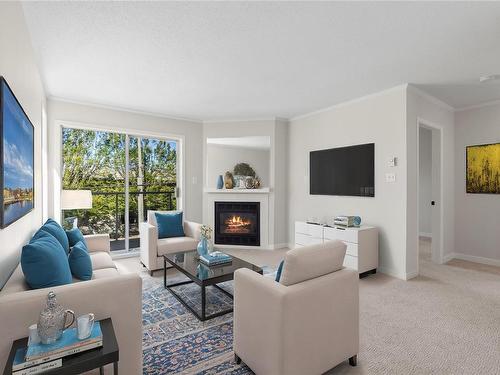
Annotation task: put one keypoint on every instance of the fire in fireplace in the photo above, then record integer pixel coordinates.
(237, 223)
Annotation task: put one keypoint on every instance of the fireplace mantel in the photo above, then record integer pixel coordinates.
(237, 191)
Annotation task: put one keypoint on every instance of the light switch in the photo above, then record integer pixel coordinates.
(393, 162)
(390, 177)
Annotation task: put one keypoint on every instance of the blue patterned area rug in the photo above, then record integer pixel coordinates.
(176, 342)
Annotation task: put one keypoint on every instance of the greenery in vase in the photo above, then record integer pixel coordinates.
(206, 231)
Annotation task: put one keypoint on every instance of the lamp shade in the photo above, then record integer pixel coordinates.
(76, 199)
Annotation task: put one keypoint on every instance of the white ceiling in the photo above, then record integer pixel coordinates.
(214, 60)
(255, 142)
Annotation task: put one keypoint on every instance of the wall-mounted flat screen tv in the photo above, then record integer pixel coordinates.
(346, 171)
(16, 158)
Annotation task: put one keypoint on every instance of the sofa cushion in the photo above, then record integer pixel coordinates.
(79, 262)
(309, 262)
(175, 244)
(52, 227)
(44, 262)
(74, 236)
(100, 260)
(169, 225)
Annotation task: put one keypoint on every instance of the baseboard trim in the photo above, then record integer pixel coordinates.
(411, 275)
(425, 234)
(279, 246)
(475, 259)
(448, 257)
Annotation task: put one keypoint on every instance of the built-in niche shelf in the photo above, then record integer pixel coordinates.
(238, 191)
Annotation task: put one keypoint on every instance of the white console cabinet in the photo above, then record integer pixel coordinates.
(362, 243)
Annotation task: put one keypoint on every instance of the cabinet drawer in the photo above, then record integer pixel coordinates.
(352, 248)
(309, 229)
(351, 262)
(349, 235)
(305, 240)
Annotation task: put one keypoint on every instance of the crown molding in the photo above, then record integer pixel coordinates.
(431, 98)
(478, 106)
(121, 109)
(243, 119)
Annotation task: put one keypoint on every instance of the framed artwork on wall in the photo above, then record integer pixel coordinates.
(16, 158)
(483, 169)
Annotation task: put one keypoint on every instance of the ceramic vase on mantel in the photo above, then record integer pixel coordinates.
(202, 247)
(220, 182)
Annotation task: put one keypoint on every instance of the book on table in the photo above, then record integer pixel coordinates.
(215, 258)
(41, 357)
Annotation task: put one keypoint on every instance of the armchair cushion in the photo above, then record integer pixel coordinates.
(309, 262)
(44, 262)
(74, 236)
(176, 244)
(169, 225)
(79, 262)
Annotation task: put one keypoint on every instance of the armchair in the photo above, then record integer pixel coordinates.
(305, 324)
(153, 248)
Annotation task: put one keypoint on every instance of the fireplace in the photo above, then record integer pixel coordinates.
(237, 223)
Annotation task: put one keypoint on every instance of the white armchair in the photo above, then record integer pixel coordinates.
(153, 248)
(307, 323)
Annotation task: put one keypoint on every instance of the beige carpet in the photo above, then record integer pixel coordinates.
(446, 321)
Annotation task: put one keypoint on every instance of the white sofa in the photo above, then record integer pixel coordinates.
(112, 292)
(153, 248)
(305, 324)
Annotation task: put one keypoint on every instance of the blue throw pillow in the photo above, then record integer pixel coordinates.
(44, 262)
(79, 261)
(169, 225)
(74, 236)
(278, 272)
(52, 227)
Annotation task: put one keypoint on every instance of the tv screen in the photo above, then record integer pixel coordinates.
(16, 158)
(343, 171)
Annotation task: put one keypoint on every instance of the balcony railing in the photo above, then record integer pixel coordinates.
(108, 212)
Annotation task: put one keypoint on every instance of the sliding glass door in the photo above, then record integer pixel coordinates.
(126, 175)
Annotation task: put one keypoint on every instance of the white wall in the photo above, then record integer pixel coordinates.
(378, 119)
(422, 107)
(477, 222)
(99, 117)
(221, 158)
(425, 180)
(17, 65)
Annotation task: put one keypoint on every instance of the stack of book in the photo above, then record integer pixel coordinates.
(216, 258)
(37, 358)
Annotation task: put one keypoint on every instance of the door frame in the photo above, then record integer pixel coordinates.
(439, 257)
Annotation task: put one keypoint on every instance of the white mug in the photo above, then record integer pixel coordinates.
(85, 324)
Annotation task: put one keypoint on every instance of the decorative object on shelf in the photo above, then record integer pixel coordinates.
(483, 169)
(53, 320)
(206, 235)
(228, 180)
(33, 337)
(220, 182)
(244, 169)
(239, 182)
(347, 221)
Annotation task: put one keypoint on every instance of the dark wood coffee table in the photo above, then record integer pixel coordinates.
(188, 264)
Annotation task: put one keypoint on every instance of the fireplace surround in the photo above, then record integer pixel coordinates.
(237, 223)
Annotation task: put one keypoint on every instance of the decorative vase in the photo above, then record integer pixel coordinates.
(220, 182)
(202, 247)
(53, 320)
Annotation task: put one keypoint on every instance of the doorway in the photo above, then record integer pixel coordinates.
(429, 182)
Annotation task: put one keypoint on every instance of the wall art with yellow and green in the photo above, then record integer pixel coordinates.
(483, 169)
